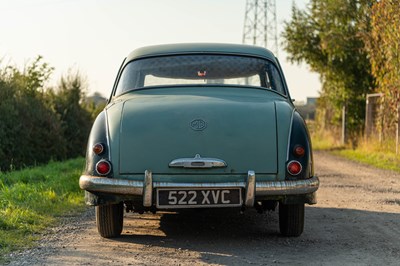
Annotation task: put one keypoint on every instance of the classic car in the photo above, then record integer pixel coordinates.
(199, 126)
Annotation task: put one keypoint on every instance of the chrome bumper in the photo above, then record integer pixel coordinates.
(145, 188)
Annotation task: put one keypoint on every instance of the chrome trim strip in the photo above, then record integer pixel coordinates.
(262, 188)
(290, 134)
(147, 189)
(199, 185)
(108, 137)
(198, 162)
(250, 189)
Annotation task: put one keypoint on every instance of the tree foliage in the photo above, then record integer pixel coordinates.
(68, 103)
(28, 128)
(328, 36)
(383, 45)
(37, 125)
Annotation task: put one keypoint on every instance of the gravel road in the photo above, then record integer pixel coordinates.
(356, 222)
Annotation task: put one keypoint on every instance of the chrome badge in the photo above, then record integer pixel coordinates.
(198, 124)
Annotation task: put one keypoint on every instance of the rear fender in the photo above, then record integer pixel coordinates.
(98, 134)
(299, 135)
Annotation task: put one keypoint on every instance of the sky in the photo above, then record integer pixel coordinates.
(94, 36)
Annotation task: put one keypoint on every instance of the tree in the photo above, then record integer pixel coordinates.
(328, 36)
(38, 124)
(383, 46)
(76, 120)
(30, 132)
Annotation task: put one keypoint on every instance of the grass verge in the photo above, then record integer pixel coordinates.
(33, 199)
(380, 159)
(380, 155)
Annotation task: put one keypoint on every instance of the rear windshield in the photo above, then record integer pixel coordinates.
(216, 70)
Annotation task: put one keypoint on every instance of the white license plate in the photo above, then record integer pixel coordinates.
(198, 198)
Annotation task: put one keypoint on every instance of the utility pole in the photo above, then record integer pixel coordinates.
(344, 139)
(260, 24)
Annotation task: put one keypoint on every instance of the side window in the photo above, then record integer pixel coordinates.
(130, 78)
(121, 83)
(273, 79)
(116, 80)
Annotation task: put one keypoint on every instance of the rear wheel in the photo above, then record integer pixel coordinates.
(109, 219)
(291, 219)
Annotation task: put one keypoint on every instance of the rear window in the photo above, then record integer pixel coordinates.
(216, 70)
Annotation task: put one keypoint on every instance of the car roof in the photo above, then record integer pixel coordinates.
(196, 48)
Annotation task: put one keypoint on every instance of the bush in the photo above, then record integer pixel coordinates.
(38, 124)
(68, 103)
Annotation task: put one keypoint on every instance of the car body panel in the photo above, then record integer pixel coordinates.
(211, 48)
(156, 129)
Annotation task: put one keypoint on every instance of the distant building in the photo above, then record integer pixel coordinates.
(308, 110)
(312, 101)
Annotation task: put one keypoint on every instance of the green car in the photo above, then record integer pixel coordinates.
(199, 126)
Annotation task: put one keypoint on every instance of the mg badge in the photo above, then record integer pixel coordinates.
(198, 124)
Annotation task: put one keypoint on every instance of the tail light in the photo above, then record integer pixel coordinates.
(299, 157)
(299, 151)
(98, 148)
(103, 167)
(294, 167)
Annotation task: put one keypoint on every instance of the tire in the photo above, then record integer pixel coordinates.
(109, 219)
(291, 219)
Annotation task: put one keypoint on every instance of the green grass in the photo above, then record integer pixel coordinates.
(33, 199)
(379, 159)
(326, 141)
(380, 155)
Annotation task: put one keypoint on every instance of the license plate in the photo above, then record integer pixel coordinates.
(198, 198)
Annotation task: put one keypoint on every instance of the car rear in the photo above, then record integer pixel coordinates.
(197, 130)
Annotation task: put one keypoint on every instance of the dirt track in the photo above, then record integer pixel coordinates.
(356, 221)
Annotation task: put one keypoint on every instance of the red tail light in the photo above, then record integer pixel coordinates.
(98, 148)
(294, 167)
(299, 151)
(103, 167)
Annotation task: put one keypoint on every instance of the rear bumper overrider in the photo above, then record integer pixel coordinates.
(251, 187)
